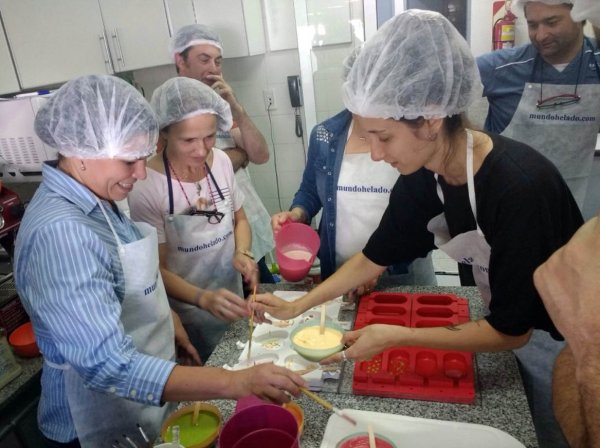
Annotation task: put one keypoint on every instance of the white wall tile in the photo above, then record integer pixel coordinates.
(284, 128)
(250, 95)
(250, 69)
(289, 182)
(290, 157)
(281, 64)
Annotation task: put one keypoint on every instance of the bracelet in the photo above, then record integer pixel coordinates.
(246, 252)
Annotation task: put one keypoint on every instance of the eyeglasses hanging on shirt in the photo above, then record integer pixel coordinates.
(213, 216)
(564, 99)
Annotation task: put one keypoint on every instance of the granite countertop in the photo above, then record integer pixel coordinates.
(31, 369)
(500, 402)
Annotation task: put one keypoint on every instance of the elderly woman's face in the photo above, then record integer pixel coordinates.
(190, 141)
(113, 179)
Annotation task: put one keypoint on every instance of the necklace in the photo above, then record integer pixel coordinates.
(184, 178)
(198, 186)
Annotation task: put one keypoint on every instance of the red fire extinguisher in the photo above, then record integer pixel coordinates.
(504, 31)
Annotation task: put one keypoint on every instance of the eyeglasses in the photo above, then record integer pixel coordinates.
(563, 99)
(214, 216)
(558, 100)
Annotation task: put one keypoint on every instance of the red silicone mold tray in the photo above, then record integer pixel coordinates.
(415, 372)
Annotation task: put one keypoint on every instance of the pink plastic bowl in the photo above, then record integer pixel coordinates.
(271, 420)
(298, 238)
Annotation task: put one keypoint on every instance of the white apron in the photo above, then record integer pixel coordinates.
(470, 247)
(566, 135)
(202, 254)
(100, 418)
(258, 216)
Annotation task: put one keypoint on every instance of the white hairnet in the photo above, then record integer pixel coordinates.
(518, 6)
(190, 35)
(416, 65)
(98, 117)
(349, 61)
(586, 10)
(181, 98)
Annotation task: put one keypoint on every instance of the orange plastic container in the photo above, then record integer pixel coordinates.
(22, 340)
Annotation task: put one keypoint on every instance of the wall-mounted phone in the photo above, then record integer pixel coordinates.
(295, 89)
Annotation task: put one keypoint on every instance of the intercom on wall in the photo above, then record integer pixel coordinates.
(295, 89)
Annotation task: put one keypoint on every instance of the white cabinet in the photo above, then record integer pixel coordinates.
(54, 41)
(238, 22)
(8, 78)
(180, 13)
(137, 32)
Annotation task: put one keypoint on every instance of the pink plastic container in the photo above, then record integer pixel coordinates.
(261, 426)
(296, 246)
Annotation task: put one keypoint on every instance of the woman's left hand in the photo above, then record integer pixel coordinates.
(187, 355)
(247, 267)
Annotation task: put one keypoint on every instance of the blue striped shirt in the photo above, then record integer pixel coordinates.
(69, 278)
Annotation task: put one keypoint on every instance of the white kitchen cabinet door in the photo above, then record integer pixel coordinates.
(8, 77)
(54, 41)
(181, 13)
(239, 23)
(137, 33)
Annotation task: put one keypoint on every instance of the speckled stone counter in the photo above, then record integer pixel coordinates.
(31, 368)
(500, 402)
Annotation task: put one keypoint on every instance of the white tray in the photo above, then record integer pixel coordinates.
(412, 432)
(271, 342)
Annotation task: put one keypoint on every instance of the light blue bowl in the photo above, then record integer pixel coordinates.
(314, 354)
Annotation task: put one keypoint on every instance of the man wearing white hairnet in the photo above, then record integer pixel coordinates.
(547, 94)
(197, 51)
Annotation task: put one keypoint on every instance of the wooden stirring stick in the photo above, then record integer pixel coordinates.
(196, 412)
(371, 436)
(322, 327)
(251, 330)
(326, 405)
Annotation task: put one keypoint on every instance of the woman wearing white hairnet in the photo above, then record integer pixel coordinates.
(90, 282)
(340, 179)
(487, 201)
(191, 197)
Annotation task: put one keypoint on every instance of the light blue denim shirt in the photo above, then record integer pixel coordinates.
(69, 278)
(318, 188)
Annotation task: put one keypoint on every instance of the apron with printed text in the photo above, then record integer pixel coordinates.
(566, 134)
(202, 253)
(100, 418)
(470, 247)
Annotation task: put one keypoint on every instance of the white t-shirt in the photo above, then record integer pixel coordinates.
(149, 200)
(363, 193)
